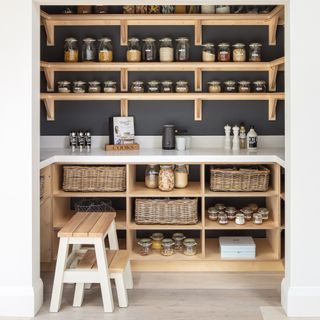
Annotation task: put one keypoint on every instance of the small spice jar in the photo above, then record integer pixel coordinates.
(214, 86)
(259, 86)
(255, 52)
(208, 9)
(231, 212)
(167, 86)
(137, 86)
(105, 50)
(71, 52)
(110, 86)
(247, 211)
(240, 219)
(208, 52)
(213, 213)
(153, 86)
(100, 9)
(224, 52)
(223, 9)
(239, 52)
(257, 218)
(178, 238)
(181, 173)
(88, 49)
(84, 9)
(154, 9)
(149, 50)
(167, 247)
(141, 9)
(220, 206)
(64, 87)
(264, 212)
(151, 176)
(222, 217)
(166, 178)
(167, 9)
(166, 50)
(94, 87)
(144, 246)
(79, 87)
(182, 49)
(182, 86)
(244, 86)
(190, 247)
(156, 238)
(134, 50)
(230, 86)
(253, 206)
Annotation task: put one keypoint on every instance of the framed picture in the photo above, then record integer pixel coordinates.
(122, 130)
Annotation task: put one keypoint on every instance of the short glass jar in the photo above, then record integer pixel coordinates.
(259, 86)
(167, 247)
(110, 86)
(247, 211)
(166, 178)
(137, 86)
(167, 86)
(88, 49)
(166, 50)
(79, 87)
(208, 52)
(156, 238)
(181, 174)
(244, 86)
(149, 50)
(208, 9)
(224, 52)
(105, 50)
(220, 206)
(64, 87)
(153, 86)
(71, 52)
(151, 176)
(223, 9)
(222, 217)
(253, 206)
(94, 87)
(134, 50)
(182, 86)
(214, 86)
(84, 9)
(141, 9)
(154, 9)
(240, 219)
(100, 9)
(264, 212)
(257, 218)
(255, 52)
(144, 246)
(182, 49)
(167, 9)
(178, 238)
(213, 213)
(239, 52)
(230, 86)
(190, 247)
(231, 212)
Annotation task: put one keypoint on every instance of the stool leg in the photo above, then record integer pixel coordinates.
(105, 283)
(58, 276)
(121, 290)
(78, 295)
(112, 236)
(128, 276)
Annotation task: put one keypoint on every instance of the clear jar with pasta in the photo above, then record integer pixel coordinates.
(214, 86)
(153, 86)
(239, 52)
(208, 52)
(151, 179)
(224, 52)
(88, 49)
(190, 247)
(182, 86)
(182, 49)
(166, 178)
(137, 86)
(71, 52)
(167, 247)
(134, 50)
(166, 50)
(244, 86)
(105, 50)
(149, 52)
(110, 86)
(167, 86)
(255, 54)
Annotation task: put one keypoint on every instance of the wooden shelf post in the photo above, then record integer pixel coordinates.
(198, 79)
(124, 79)
(198, 33)
(197, 109)
(124, 107)
(123, 32)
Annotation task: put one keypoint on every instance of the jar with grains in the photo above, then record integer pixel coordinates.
(144, 246)
(244, 86)
(240, 219)
(208, 52)
(257, 218)
(149, 50)
(79, 87)
(88, 49)
(230, 86)
(192, 9)
(167, 247)
(214, 86)
(110, 86)
(255, 52)
(154, 9)
(167, 86)
(100, 9)
(134, 50)
(153, 86)
(141, 9)
(213, 213)
(208, 9)
(182, 49)
(94, 87)
(137, 86)
(178, 238)
(190, 247)
(166, 178)
(231, 212)
(239, 52)
(224, 52)
(259, 86)
(223, 9)
(220, 206)
(105, 50)
(180, 9)
(64, 87)
(151, 179)
(182, 86)
(167, 9)
(247, 211)
(253, 206)
(84, 9)
(181, 173)
(222, 217)
(156, 238)
(166, 50)
(128, 9)
(71, 52)
(264, 212)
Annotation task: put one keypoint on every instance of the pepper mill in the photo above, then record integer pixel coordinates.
(236, 140)
(227, 140)
(81, 140)
(88, 140)
(243, 136)
(73, 140)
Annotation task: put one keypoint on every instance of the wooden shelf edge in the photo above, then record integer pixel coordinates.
(134, 226)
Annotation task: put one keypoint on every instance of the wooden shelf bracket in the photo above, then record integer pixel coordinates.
(198, 33)
(49, 74)
(124, 107)
(124, 79)
(197, 109)
(49, 104)
(273, 24)
(197, 79)
(123, 32)
(49, 28)
(273, 72)
(272, 109)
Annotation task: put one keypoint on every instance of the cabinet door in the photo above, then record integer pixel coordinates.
(46, 231)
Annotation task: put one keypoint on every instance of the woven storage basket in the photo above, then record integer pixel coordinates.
(166, 211)
(239, 179)
(94, 178)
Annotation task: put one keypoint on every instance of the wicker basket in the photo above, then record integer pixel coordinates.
(166, 211)
(94, 178)
(239, 179)
(93, 205)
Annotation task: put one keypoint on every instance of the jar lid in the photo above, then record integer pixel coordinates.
(230, 82)
(153, 82)
(208, 44)
(167, 39)
(224, 44)
(214, 82)
(105, 39)
(133, 39)
(247, 210)
(182, 82)
(64, 83)
(178, 236)
(79, 83)
(88, 39)
(263, 210)
(219, 206)
(149, 39)
(213, 210)
(145, 242)
(94, 83)
(244, 82)
(239, 45)
(167, 242)
(166, 166)
(110, 82)
(230, 210)
(157, 236)
(189, 242)
(255, 44)
(182, 39)
(70, 39)
(137, 82)
(259, 82)
(166, 82)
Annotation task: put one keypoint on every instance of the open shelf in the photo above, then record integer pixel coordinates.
(65, 194)
(134, 226)
(231, 225)
(270, 193)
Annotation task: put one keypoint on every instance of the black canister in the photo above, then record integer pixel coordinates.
(169, 137)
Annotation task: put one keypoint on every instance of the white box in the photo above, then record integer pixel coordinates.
(237, 247)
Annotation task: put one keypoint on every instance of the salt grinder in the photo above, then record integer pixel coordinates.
(236, 140)
(227, 141)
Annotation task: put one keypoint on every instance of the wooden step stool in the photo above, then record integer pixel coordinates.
(86, 228)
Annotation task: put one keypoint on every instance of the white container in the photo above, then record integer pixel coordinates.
(208, 9)
(237, 247)
(252, 139)
(181, 143)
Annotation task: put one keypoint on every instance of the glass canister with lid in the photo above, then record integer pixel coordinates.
(167, 9)
(110, 86)
(144, 246)
(64, 87)
(182, 86)
(208, 9)
(214, 86)
(167, 86)
(153, 86)
(190, 247)
(182, 49)
(255, 52)
(149, 50)
(247, 211)
(156, 238)
(230, 86)
(105, 50)
(166, 178)
(151, 179)
(166, 50)
(79, 87)
(259, 86)
(94, 87)
(213, 213)
(137, 86)
(88, 49)
(178, 238)
(167, 247)
(181, 174)
(244, 86)
(71, 52)
(134, 50)
(239, 52)
(224, 52)
(208, 52)
(223, 9)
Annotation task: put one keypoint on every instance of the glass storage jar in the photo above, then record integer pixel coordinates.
(154, 9)
(141, 9)
(182, 86)
(178, 238)
(224, 52)
(208, 52)
(257, 218)
(238, 9)
(230, 86)
(231, 212)
(247, 211)
(94, 87)
(167, 86)
(220, 206)
(213, 213)
(192, 9)
(128, 9)
(167, 9)
(137, 86)
(182, 49)
(110, 86)
(166, 178)
(259, 86)
(153, 86)
(239, 52)
(144, 246)
(253, 206)
(71, 52)
(208, 9)
(149, 50)
(84, 9)
(156, 238)
(181, 173)
(223, 9)
(222, 217)
(64, 87)
(166, 50)
(79, 87)
(105, 50)
(167, 247)
(190, 247)
(255, 52)
(100, 9)
(151, 178)
(240, 219)
(214, 86)
(134, 50)
(88, 49)
(264, 212)
(244, 86)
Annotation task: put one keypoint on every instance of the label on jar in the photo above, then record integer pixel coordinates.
(252, 142)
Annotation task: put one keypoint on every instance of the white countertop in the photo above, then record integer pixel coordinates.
(204, 155)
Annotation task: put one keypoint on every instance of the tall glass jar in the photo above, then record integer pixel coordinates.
(190, 247)
(166, 86)
(134, 50)
(166, 50)
(71, 52)
(239, 52)
(166, 178)
(182, 49)
(156, 238)
(149, 50)
(178, 238)
(181, 173)
(208, 52)
(208, 9)
(255, 52)
(88, 49)
(137, 86)
(105, 50)
(151, 179)
(153, 86)
(223, 9)
(224, 52)
(167, 247)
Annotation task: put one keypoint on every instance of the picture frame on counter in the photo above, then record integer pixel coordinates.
(122, 131)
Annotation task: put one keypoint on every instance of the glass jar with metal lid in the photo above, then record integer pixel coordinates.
(167, 86)
(240, 218)
(223, 9)
(222, 217)
(156, 238)
(178, 238)
(167, 247)
(79, 87)
(224, 52)
(253, 206)
(134, 50)
(213, 213)
(144, 246)
(151, 179)
(166, 178)
(181, 174)
(231, 212)
(244, 86)
(94, 87)
(190, 247)
(166, 50)
(71, 52)
(182, 49)
(167, 9)
(257, 218)
(153, 86)
(64, 87)
(239, 52)
(88, 49)
(105, 50)
(110, 86)
(137, 86)
(255, 52)
(247, 211)
(230, 86)
(214, 86)
(182, 86)
(208, 9)
(220, 206)
(149, 50)
(259, 86)
(264, 212)
(208, 52)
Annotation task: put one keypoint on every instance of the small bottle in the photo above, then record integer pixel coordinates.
(236, 141)
(87, 139)
(73, 140)
(252, 139)
(243, 136)
(227, 141)
(80, 140)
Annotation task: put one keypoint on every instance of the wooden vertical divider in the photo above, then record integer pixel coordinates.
(197, 109)
(198, 33)
(123, 32)
(124, 79)
(124, 108)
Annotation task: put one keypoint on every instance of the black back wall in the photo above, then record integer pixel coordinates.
(151, 115)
